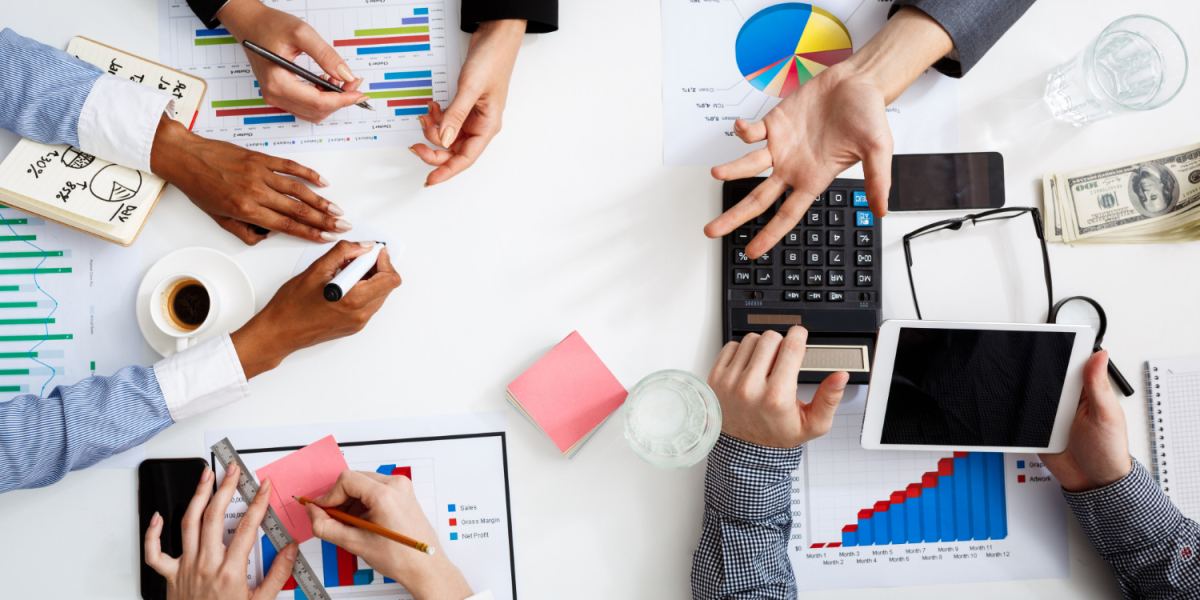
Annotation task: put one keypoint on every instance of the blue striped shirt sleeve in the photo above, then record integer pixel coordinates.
(76, 426)
(42, 90)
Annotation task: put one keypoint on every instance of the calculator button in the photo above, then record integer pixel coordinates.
(814, 218)
(835, 296)
(813, 258)
(792, 257)
(791, 295)
(863, 258)
(864, 238)
(792, 277)
(837, 197)
(741, 237)
(860, 198)
(741, 276)
(792, 238)
(762, 276)
(864, 218)
(836, 258)
(766, 258)
(835, 218)
(812, 296)
(740, 258)
(835, 237)
(836, 277)
(863, 278)
(812, 238)
(813, 277)
(819, 200)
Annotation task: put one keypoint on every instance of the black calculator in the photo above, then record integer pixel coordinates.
(824, 275)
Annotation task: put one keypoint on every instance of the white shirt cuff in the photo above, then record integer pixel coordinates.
(484, 595)
(119, 119)
(201, 378)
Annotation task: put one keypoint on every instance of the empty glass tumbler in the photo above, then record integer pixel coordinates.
(1137, 63)
(672, 419)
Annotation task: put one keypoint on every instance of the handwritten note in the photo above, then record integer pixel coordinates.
(310, 471)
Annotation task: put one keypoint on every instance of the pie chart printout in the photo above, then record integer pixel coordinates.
(785, 45)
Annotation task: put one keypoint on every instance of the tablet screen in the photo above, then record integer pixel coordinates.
(976, 387)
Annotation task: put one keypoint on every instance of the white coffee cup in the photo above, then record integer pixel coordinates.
(175, 316)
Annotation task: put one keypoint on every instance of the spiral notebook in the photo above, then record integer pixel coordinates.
(1173, 400)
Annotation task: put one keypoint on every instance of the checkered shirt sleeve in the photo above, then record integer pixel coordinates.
(747, 522)
(1136, 529)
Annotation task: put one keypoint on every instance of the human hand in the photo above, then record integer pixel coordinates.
(473, 118)
(1097, 452)
(826, 126)
(207, 569)
(755, 380)
(388, 501)
(289, 36)
(299, 316)
(239, 188)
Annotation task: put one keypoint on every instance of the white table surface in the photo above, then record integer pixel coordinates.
(570, 221)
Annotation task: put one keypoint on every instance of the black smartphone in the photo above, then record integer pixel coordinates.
(165, 486)
(969, 180)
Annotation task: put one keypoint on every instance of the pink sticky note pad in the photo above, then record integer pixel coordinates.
(569, 392)
(310, 471)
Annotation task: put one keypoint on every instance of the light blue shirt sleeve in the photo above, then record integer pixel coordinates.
(76, 426)
(42, 90)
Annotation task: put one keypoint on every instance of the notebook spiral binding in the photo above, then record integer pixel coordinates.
(1158, 445)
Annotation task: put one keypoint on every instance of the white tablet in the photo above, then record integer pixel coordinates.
(992, 387)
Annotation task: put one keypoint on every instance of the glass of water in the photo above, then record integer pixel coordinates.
(672, 419)
(1137, 63)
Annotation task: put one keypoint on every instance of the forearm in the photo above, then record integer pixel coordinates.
(973, 25)
(907, 45)
(42, 439)
(42, 90)
(747, 522)
(1136, 529)
(537, 16)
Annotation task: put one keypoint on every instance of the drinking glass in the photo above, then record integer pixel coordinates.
(1137, 63)
(672, 419)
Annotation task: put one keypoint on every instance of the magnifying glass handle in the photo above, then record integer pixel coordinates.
(1122, 383)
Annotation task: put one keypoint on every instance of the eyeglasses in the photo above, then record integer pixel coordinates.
(1052, 309)
(999, 214)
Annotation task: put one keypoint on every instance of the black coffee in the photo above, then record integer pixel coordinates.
(189, 303)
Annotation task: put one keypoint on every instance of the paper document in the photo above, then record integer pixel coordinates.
(459, 474)
(406, 52)
(728, 59)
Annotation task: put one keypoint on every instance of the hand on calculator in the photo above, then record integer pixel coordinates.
(755, 380)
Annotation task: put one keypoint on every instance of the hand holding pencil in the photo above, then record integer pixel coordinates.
(368, 513)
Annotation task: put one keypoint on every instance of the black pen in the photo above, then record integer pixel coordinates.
(305, 74)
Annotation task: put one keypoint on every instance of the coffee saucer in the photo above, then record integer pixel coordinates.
(221, 272)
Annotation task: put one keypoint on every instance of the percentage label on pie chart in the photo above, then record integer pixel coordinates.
(785, 45)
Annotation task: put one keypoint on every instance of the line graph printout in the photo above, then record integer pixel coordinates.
(406, 52)
(872, 518)
(730, 59)
(66, 306)
(458, 468)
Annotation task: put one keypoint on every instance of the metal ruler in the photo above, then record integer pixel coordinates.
(247, 486)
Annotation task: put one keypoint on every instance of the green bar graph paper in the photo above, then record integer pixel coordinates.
(10, 388)
(36, 338)
(18, 304)
(219, 41)
(14, 371)
(43, 321)
(18, 354)
(401, 93)
(41, 271)
(238, 103)
(31, 254)
(391, 30)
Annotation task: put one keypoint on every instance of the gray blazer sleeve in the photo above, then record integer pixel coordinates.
(973, 25)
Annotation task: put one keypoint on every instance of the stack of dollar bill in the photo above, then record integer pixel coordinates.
(1153, 199)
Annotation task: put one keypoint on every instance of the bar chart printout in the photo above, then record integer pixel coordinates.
(460, 482)
(871, 518)
(55, 327)
(407, 54)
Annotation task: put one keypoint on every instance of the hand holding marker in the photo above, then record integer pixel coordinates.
(346, 279)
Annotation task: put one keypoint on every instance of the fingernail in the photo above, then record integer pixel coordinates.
(328, 237)
(206, 475)
(324, 182)
(345, 73)
(266, 485)
(342, 225)
(367, 244)
(448, 136)
(334, 210)
(155, 519)
(290, 551)
(413, 149)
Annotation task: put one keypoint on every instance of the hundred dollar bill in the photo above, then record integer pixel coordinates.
(1139, 201)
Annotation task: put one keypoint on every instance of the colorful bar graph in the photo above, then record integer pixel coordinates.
(392, 49)
(215, 41)
(421, 11)
(421, 110)
(964, 499)
(391, 31)
(414, 21)
(18, 354)
(378, 41)
(29, 304)
(218, 32)
(409, 102)
(36, 338)
(259, 110)
(407, 75)
(329, 564)
(35, 271)
(37, 321)
(268, 120)
(268, 558)
(31, 253)
(393, 85)
(426, 92)
(238, 103)
(17, 238)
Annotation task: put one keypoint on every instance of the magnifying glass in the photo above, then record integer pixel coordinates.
(1081, 310)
